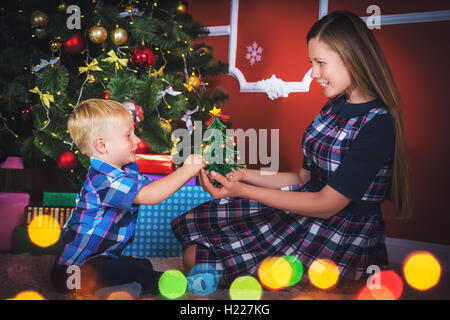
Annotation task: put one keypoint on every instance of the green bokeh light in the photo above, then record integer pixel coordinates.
(172, 284)
(245, 288)
(297, 269)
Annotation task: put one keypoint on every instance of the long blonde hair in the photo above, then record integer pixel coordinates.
(348, 35)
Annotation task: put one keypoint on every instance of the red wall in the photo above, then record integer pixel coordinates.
(418, 56)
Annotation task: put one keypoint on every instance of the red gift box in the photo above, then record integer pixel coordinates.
(155, 163)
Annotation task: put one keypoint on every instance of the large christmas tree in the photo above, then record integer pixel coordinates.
(55, 54)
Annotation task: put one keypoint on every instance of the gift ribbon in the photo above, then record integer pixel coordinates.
(46, 98)
(187, 119)
(114, 59)
(93, 66)
(216, 113)
(45, 63)
(134, 12)
(170, 91)
(158, 73)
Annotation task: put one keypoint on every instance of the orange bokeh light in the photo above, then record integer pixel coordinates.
(422, 270)
(323, 273)
(29, 295)
(275, 273)
(120, 295)
(44, 230)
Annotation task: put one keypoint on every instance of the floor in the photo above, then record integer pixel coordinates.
(25, 272)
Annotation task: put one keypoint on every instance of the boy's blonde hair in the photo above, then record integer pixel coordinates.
(91, 118)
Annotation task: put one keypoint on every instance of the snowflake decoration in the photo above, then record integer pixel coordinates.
(254, 53)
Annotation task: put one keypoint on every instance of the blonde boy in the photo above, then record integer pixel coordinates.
(104, 220)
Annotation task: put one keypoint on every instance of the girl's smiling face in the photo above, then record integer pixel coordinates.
(330, 72)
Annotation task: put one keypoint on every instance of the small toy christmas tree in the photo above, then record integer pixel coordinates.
(218, 147)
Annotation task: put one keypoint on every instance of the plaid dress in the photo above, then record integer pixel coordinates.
(347, 146)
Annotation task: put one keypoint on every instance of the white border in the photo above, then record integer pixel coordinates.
(275, 87)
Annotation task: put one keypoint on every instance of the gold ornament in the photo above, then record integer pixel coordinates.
(54, 45)
(91, 79)
(202, 51)
(181, 8)
(62, 7)
(39, 19)
(97, 34)
(119, 36)
(193, 82)
(165, 125)
(128, 7)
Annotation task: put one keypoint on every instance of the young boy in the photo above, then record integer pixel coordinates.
(104, 220)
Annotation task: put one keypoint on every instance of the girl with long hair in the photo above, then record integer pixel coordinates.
(355, 157)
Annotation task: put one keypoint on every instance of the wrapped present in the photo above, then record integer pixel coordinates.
(16, 180)
(59, 199)
(59, 214)
(11, 215)
(154, 236)
(12, 163)
(155, 163)
(191, 182)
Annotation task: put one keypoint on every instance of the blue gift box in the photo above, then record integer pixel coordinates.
(154, 237)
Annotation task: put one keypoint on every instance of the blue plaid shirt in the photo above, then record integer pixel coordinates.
(104, 220)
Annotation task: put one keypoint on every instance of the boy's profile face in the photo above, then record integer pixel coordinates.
(120, 143)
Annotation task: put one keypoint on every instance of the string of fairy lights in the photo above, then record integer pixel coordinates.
(192, 78)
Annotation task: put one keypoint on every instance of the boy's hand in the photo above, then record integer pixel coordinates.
(194, 163)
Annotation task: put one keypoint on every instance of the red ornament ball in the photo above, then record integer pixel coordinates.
(67, 160)
(142, 57)
(136, 111)
(143, 148)
(75, 44)
(106, 94)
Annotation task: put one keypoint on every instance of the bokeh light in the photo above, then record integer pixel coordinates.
(296, 268)
(323, 273)
(275, 273)
(203, 279)
(172, 284)
(422, 270)
(245, 288)
(384, 285)
(381, 293)
(120, 295)
(44, 230)
(29, 295)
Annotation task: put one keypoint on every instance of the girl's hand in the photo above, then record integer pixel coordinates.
(228, 189)
(236, 175)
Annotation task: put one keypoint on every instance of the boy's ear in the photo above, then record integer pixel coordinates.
(99, 145)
